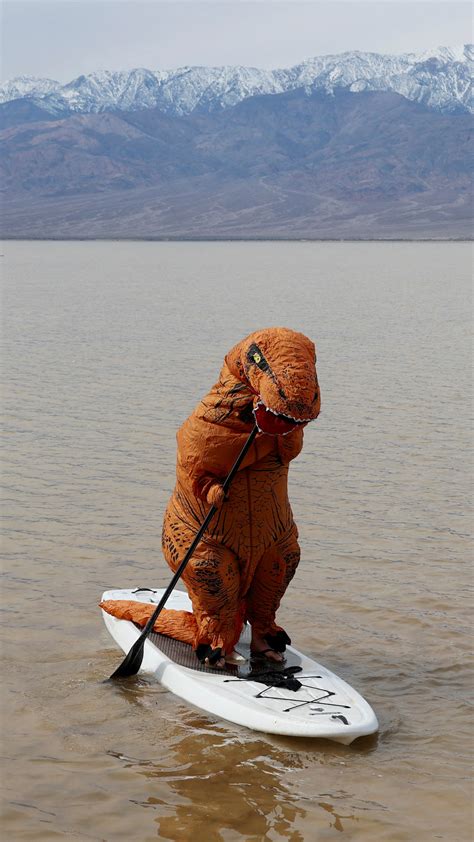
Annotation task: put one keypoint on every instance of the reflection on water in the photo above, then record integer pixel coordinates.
(106, 349)
(210, 784)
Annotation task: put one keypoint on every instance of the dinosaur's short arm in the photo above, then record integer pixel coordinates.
(290, 446)
(210, 489)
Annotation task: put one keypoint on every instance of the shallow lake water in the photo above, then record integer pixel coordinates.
(107, 347)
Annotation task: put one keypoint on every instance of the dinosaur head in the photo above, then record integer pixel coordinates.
(279, 367)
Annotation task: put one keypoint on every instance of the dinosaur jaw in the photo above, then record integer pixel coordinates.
(274, 423)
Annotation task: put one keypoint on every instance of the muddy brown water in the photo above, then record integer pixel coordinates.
(106, 348)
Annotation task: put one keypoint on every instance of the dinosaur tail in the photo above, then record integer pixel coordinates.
(178, 624)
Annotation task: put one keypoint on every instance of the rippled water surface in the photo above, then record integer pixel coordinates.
(107, 347)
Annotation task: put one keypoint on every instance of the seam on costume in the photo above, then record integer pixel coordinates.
(249, 496)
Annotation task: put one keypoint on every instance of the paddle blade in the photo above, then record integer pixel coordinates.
(132, 661)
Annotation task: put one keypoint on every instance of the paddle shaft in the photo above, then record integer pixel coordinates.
(133, 660)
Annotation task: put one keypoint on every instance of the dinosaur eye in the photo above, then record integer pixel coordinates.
(255, 356)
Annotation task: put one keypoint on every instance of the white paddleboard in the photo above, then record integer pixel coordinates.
(323, 706)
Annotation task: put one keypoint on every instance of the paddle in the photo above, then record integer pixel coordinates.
(133, 661)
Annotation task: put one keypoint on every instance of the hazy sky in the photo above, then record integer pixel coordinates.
(65, 38)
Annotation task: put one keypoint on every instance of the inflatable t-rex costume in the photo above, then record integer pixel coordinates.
(249, 554)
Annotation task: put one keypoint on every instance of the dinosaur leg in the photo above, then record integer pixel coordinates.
(212, 579)
(272, 576)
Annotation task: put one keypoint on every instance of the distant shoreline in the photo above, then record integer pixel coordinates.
(238, 239)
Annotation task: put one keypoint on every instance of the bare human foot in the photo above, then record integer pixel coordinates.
(259, 646)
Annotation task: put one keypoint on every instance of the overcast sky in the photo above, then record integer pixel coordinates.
(65, 38)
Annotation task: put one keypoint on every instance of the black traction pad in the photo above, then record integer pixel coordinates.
(184, 655)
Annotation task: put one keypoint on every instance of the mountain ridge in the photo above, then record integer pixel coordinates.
(438, 78)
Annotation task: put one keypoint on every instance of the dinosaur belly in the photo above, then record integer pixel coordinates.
(257, 513)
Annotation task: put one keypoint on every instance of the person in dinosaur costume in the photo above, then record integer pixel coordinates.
(249, 554)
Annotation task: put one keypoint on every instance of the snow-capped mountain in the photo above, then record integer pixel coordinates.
(27, 86)
(440, 78)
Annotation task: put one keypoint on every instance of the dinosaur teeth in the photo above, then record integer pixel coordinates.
(260, 403)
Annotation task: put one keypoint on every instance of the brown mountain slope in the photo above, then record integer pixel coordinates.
(353, 165)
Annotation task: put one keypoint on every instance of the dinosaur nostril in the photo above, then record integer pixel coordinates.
(316, 395)
(282, 394)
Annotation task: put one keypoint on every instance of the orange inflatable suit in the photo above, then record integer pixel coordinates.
(249, 554)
